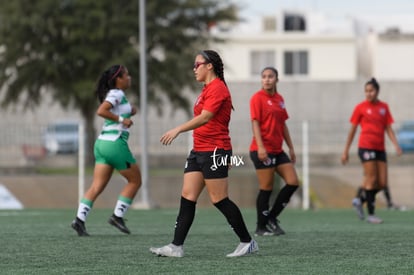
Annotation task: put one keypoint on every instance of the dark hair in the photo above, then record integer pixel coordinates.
(107, 81)
(374, 83)
(213, 58)
(272, 69)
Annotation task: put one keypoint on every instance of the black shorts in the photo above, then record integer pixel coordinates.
(273, 161)
(369, 154)
(213, 165)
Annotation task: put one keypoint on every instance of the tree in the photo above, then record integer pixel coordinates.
(59, 47)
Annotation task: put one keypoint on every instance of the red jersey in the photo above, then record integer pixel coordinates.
(373, 117)
(215, 97)
(270, 112)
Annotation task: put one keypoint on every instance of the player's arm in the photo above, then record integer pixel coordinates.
(289, 143)
(261, 150)
(104, 110)
(393, 138)
(350, 138)
(192, 124)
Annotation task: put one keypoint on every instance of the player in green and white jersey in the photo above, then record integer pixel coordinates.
(111, 149)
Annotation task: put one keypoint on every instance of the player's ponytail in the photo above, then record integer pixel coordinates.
(107, 81)
(374, 83)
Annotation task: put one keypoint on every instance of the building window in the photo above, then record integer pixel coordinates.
(294, 22)
(269, 23)
(296, 62)
(260, 60)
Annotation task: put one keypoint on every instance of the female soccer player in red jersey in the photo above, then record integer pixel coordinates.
(268, 116)
(375, 119)
(206, 164)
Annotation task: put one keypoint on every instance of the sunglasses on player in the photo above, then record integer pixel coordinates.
(198, 64)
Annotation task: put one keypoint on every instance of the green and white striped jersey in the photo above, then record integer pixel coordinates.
(112, 130)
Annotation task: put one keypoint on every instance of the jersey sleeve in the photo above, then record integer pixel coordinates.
(389, 118)
(255, 108)
(213, 100)
(114, 97)
(285, 113)
(356, 115)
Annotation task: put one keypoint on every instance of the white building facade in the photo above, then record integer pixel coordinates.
(393, 56)
(296, 56)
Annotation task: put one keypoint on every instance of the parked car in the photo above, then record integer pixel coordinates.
(405, 136)
(61, 137)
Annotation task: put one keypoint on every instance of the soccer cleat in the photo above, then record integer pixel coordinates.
(393, 206)
(244, 249)
(119, 223)
(273, 225)
(263, 232)
(79, 227)
(169, 250)
(356, 203)
(374, 219)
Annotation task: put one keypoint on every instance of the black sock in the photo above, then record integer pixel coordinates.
(361, 194)
(184, 220)
(262, 207)
(282, 200)
(234, 218)
(387, 195)
(370, 195)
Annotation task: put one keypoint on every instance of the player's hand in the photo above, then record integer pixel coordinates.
(344, 158)
(168, 137)
(262, 154)
(127, 122)
(292, 155)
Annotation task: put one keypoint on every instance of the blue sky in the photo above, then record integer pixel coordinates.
(333, 7)
(380, 12)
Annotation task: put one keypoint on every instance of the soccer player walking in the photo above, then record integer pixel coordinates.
(205, 166)
(375, 119)
(268, 116)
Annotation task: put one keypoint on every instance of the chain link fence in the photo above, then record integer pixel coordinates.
(24, 144)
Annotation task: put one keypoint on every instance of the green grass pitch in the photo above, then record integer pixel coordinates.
(39, 241)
